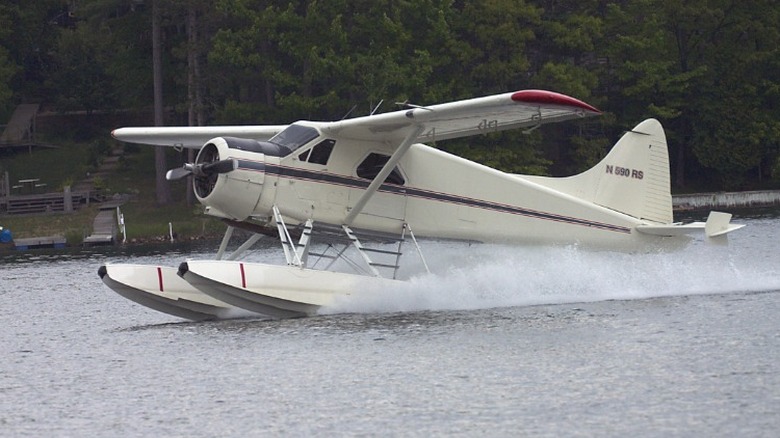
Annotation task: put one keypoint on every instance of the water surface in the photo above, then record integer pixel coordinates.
(500, 341)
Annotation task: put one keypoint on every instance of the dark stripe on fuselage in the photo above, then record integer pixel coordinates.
(346, 181)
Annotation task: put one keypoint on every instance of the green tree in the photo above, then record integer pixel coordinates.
(135, 70)
(7, 67)
(489, 53)
(316, 59)
(566, 49)
(645, 80)
(702, 67)
(567, 56)
(246, 55)
(31, 42)
(80, 78)
(737, 124)
(708, 69)
(125, 31)
(491, 44)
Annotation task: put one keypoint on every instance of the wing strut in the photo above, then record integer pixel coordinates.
(380, 178)
(225, 240)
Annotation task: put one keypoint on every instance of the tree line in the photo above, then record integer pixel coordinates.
(709, 70)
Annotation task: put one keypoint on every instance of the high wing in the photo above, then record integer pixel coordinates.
(520, 109)
(525, 108)
(193, 137)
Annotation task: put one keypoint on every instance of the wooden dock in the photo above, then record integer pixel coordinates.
(39, 242)
(104, 228)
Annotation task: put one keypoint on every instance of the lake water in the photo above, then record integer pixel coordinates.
(501, 342)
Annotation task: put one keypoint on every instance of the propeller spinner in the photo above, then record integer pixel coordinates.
(202, 169)
(206, 168)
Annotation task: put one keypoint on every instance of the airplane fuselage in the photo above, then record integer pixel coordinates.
(372, 174)
(440, 195)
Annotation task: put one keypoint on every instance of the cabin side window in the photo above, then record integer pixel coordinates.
(373, 164)
(320, 153)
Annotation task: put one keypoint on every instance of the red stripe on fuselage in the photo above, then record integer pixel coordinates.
(323, 178)
(160, 278)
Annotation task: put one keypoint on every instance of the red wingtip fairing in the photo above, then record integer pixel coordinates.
(551, 98)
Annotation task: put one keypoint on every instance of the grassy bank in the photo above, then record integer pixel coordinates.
(144, 219)
(73, 226)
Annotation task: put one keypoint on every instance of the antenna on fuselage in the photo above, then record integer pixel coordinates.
(406, 105)
(349, 112)
(376, 107)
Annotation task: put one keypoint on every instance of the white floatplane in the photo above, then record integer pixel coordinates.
(336, 186)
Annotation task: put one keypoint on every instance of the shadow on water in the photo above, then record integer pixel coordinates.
(438, 322)
(430, 322)
(85, 253)
(342, 322)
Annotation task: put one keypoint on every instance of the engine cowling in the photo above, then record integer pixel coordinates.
(231, 194)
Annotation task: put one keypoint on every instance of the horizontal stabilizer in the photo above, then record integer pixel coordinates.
(718, 224)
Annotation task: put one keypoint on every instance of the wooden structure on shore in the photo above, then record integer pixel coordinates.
(20, 131)
(41, 203)
(104, 227)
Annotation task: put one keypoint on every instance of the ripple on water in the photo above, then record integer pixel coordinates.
(504, 341)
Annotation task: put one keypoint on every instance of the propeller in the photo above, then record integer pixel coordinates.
(203, 169)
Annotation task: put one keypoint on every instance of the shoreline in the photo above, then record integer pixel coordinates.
(681, 203)
(727, 200)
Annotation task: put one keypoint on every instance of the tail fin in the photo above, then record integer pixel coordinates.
(632, 179)
(634, 176)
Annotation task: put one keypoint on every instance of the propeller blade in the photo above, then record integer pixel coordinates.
(178, 173)
(188, 169)
(223, 166)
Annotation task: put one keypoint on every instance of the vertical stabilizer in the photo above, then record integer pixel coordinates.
(632, 179)
(635, 175)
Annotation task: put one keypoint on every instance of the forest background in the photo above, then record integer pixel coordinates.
(709, 70)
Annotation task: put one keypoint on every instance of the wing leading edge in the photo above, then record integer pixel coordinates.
(520, 109)
(192, 137)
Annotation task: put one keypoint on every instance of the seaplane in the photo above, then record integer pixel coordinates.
(358, 192)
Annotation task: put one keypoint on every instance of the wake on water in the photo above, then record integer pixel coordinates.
(469, 277)
(481, 276)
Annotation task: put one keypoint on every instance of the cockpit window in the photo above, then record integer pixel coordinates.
(373, 164)
(294, 136)
(321, 152)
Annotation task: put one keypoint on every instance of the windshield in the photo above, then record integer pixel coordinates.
(294, 137)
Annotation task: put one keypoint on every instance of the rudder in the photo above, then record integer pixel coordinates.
(635, 177)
